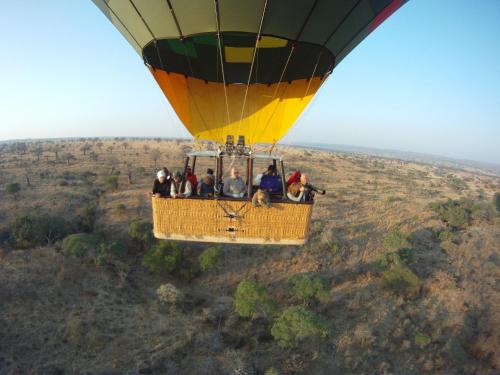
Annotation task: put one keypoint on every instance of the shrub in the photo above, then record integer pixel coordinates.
(271, 371)
(79, 244)
(86, 217)
(422, 339)
(252, 300)
(168, 294)
(295, 324)
(496, 200)
(307, 287)
(112, 183)
(456, 214)
(13, 188)
(107, 251)
(34, 230)
(402, 280)
(396, 240)
(210, 258)
(121, 207)
(445, 235)
(164, 257)
(141, 232)
(406, 254)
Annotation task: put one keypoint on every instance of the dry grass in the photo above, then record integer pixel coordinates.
(65, 314)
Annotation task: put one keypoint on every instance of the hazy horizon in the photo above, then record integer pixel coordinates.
(426, 81)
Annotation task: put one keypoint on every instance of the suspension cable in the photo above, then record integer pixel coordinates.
(217, 21)
(251, 65)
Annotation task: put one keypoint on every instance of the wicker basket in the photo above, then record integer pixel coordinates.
(231, 221)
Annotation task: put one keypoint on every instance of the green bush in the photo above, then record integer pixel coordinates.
(271, 371)
(141, 232)
(396, 240)
(80, 244)
(35, 230)
(164, 257)
(295, 324)
(406, 254)
(13, 188)
(496, 200)
(456, 214)
(445, 235)
(107, 251)
(402, 280)
(112, 183)
(252, 300)
(210, 258)
(307, 287)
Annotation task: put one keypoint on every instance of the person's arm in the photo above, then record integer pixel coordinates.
(155, 188)
(188, 189)
(294, 198)
(172, 190)
(227, 184)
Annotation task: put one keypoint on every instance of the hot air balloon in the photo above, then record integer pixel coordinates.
(241, 70)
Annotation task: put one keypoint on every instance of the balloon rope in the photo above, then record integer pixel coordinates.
(217, 21)
(251, 65)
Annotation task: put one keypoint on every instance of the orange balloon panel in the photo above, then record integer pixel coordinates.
(210, 113)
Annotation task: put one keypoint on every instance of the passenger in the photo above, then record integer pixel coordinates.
(161, 186)
(191, 177)
(261, 199)
(175, 189)
(206, 187)
(271, 181)
(301, 191)
(295, 177)
(234, 186)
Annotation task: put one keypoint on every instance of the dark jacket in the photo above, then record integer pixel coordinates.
(271, 183)
(162, 189)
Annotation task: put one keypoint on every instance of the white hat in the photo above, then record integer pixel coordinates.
(161, 174)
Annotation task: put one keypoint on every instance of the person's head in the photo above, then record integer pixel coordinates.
(207, 180)
(304, 179)
(189, 170)
(271, 170)
(178, 177)
(162, 176)
(235, 173)
(210, 171)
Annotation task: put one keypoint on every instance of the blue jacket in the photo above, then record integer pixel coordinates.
(271, 184)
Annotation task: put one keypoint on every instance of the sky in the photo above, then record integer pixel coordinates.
(427, 80)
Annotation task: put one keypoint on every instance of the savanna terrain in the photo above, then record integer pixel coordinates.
(401, 273)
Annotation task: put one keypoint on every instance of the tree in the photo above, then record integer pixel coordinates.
(110, 149)
(155, 155)
(79, 244)
(85, 148)
(141, 232)
(56, 149)
(164, 257)
(33, 230)
(129, 173)
(68, 156)
(99, 145)
(125, 145)
(112, 183)
(497, 201)
(251, 300)
(306, 287)
(38, 151)
(146, 149)
(297, 323)
(210, 258)
(13, 188)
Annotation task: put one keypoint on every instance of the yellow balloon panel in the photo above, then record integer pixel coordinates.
(211, 113)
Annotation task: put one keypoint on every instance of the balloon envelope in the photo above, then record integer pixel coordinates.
(243, 67)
